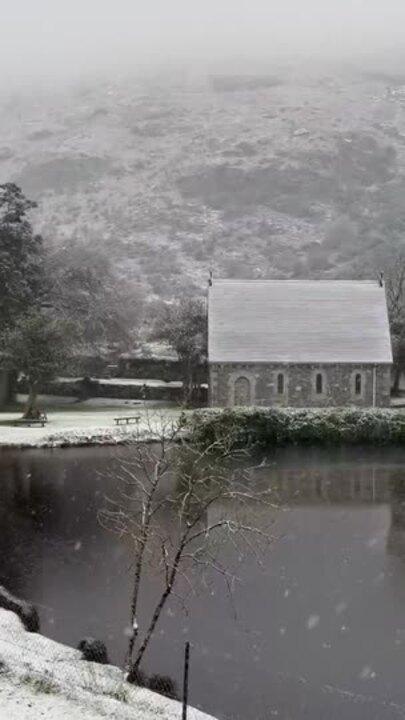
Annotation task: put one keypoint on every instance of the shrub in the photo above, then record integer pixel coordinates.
(93, 650)
(164, 685)
(40, 684)
(264, 427)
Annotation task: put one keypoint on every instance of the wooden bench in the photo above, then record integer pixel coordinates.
(127, 419)
(29, 422)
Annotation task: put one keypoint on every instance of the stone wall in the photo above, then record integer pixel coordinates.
(299, 382)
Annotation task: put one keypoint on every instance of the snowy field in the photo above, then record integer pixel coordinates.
(88, 423)
(40, 678)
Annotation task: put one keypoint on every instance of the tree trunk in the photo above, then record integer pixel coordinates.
(149, 633)
(188, 381)
(31, 410)
(134, 604)
(138, 572)
(158, 610)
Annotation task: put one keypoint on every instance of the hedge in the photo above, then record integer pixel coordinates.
(265, 427)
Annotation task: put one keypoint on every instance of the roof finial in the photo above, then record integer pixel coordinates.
(210, 278)
(381, 279)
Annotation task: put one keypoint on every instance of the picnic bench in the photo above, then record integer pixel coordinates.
(29, 422)
(127, 419)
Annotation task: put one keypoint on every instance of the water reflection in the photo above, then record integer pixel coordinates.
(318, 632)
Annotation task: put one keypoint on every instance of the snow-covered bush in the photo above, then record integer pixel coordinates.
(244, 427)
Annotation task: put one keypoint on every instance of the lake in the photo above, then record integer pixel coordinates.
(317, 631)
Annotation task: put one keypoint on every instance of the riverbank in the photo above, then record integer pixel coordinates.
(88, 423)
(40, 678)
(92, 423)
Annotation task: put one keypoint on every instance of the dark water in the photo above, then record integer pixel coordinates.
(317, 632)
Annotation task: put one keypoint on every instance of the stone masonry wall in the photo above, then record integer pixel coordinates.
(299, 385)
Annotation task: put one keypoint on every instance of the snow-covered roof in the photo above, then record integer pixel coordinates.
(298, 321)
(152, 351)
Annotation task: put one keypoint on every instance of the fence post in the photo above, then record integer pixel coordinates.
(185, 680)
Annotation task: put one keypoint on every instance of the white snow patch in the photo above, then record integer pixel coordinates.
(42, 678)
(83, 425)
(126, 382)
(139, 382)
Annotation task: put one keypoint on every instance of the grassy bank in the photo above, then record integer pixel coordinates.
(263, 427)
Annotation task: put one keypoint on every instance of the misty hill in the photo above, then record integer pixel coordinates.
(278, 176)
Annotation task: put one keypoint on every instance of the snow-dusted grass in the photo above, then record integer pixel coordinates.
(41, 678)
(126, 382)
(88, 423)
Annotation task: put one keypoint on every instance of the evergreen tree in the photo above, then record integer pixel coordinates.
(22, 284)
(39, 347)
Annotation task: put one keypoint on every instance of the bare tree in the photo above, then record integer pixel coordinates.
(195, 488)
(87, 289)
(182, 324)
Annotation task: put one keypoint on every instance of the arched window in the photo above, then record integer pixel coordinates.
(241, 391)
(319, 383)
(280, 384)
(358, 384)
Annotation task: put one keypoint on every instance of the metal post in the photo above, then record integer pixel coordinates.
(185, 680)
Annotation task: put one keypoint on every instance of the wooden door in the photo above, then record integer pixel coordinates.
(242, 391)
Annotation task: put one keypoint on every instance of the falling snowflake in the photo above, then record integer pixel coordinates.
(313, 621)
(340, 608)
(367, 673)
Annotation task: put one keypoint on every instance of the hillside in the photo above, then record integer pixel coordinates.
(289, 175)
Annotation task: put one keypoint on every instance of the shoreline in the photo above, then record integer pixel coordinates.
(43, 678)
(66, 441)
(247, 427)
(86, 425)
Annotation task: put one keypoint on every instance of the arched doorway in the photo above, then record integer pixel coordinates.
(241, 391)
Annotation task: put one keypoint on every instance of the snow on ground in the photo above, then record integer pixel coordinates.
(89, 423)
(127, 382)
(40, 678)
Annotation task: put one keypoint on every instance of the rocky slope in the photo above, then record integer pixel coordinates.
(293, 174)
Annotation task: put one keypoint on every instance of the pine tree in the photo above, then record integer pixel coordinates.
(22, 284)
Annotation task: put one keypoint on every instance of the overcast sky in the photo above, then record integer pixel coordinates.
(45, 37)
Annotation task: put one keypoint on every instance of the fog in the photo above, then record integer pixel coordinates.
(48, 38)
